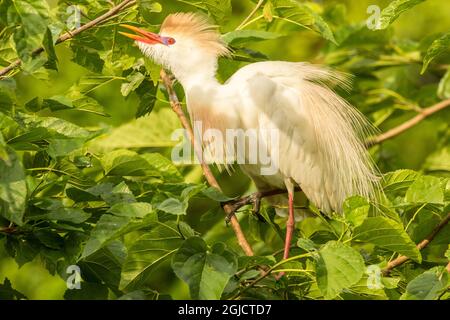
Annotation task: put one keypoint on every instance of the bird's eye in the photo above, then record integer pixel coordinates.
(169, 41)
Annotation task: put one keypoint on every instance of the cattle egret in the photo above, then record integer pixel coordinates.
(321, 136)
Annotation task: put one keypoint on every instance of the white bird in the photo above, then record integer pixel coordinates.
(320, 149)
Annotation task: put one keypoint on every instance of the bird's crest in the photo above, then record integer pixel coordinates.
(198, 28)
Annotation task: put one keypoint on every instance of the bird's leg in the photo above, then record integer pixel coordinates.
(289, 227)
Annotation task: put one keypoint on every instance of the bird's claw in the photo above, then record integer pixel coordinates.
(235, 205)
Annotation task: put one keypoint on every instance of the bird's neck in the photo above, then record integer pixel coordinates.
(202, 74)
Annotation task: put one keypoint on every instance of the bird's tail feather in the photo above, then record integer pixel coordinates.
(340, 134)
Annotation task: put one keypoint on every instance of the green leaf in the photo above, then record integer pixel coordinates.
(439, 160)
(128, 163)
(32, 18)
(8, 293)
(133, 81)
(56, 127)
(427, 286)
(134, 210)
(206, 273)
(124, 163)
(338, 267)
(239, 37)
(148, 252)
(56, 103)
(7, 93)
(356, 209)
(394, 10)
(268, 11)
(163, 166)
(178, 205)
(438, 47)
(73, 215)
(88, 291)
(147, 97)
(444, 86)
(87, 58)
(105, 265)
(398, 180)
(48, 45)
(146, 132)
(219, 9)
(388, 234)
(216, 195)
(110, 227)
(426, 189)
(304, 15)
(13, 188)
(306, 244)
(147, 7)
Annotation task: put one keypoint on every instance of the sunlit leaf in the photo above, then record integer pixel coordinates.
(339, 266)
(394, 10)
(438, 47)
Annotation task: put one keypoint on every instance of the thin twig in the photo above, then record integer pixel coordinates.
(410, 123)
(267, 272)
(258, 5)
(176, 106)
(70, 34)
(425, 242)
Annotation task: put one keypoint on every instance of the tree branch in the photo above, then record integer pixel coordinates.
(68, 35)
(176, 107)
(409, 124)
(425, 242)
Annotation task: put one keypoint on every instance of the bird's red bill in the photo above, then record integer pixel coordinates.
(142, 35)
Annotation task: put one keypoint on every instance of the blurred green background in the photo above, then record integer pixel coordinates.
(411, 149)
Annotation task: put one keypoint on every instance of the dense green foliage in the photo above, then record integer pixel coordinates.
(82, 183)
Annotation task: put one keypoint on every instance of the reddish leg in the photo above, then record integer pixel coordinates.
(289, 226)
(289, 230)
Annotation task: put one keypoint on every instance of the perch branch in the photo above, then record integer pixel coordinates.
(176, 107)
(68, 35)
(410, 123)
(254, 199)
(402, 259)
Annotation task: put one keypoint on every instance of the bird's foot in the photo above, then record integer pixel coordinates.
(234, 205)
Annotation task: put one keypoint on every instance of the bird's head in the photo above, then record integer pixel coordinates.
(187, 43)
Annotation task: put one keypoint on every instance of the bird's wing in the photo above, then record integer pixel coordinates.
(320, 135)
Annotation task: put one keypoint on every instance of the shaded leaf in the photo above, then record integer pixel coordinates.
(13, 188)
(135, 209)
(147, 252)
(239, 37)
(427, 286)
(388, 234)
(206, 273)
